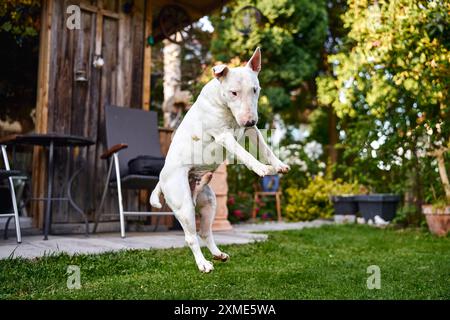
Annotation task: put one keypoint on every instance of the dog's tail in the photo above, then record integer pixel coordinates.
(154, 198)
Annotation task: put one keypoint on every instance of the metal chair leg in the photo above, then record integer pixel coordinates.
(98, 212)
(119, 195)
(73, 204)
(22, 207)
(13, 197)
(48, 206)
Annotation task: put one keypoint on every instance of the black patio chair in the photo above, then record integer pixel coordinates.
(8, 174)
(130, 133)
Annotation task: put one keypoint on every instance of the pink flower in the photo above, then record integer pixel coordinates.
(238, 213)
(265, 216)
(231, 201)
(257, 210)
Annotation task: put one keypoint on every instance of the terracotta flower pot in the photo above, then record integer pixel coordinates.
(438, 219)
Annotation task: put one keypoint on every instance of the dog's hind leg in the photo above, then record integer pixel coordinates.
(197, 184)
(206, 201)
(178, 196)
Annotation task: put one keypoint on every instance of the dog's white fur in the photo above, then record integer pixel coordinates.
(226, 106)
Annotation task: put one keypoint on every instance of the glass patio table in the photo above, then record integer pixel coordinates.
(52, 141)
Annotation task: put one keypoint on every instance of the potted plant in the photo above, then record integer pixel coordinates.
(438, 214)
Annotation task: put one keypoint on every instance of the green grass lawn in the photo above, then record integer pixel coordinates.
(325, 263)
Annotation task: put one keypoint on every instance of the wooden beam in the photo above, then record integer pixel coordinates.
(88, 7)
(147, 63)
(44, 67)
(42, 100)
(110, 14)
(146, 78)
(98, 30)
(99, 9)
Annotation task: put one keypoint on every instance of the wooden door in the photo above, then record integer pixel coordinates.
(98, 41)
(80, 111)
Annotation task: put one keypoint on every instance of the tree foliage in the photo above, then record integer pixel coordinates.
(291, 35)
(20, 18)
(19, 26)
(390, 82)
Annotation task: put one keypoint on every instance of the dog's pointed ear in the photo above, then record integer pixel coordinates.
(220, 71)
(255, 61)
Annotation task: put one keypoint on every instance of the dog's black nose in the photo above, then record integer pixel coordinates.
(250, 123)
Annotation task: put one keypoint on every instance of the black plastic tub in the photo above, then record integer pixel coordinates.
(383, 205)
(344, 205)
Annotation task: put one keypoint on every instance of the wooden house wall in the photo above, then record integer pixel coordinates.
(77, 107)
(68, 106)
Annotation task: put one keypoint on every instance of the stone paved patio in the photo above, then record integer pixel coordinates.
(35, 246)
(279, 226)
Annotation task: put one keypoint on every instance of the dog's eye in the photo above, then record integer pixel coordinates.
(234, 93)
(254, 90)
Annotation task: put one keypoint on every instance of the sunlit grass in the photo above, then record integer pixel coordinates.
(322, 263)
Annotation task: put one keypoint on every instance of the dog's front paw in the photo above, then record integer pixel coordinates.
(222, 257)
(263, 170)
(280, 167)
(205, 266)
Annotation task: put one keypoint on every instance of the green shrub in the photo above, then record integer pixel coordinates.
(408, 215)
(314, 201)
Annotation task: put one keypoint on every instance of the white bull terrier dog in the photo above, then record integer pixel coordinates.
(225, 110)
